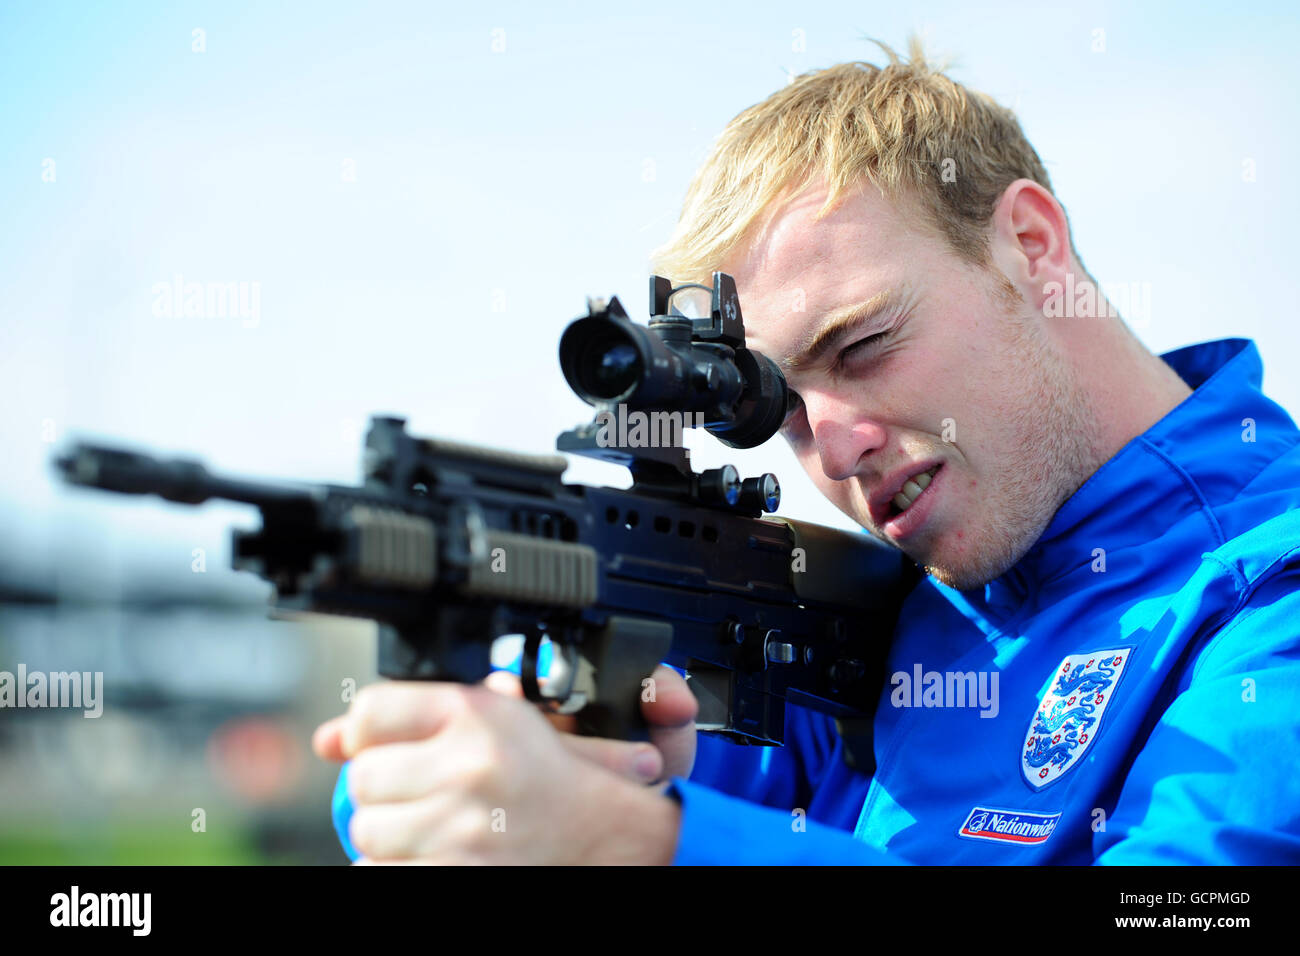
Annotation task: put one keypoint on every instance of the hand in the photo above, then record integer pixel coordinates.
(448, 773)
(671, 716)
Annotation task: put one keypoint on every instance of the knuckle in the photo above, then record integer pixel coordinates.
(435, 833)
(359, 782)
(480, 700)
(482, 770)
(363, 777)
(427, 830)
(469, 832)
(367, 699)
(482, 710)
(463, 702)
(364, 714)
(361, 832)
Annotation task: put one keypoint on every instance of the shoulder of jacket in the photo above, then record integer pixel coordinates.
(1255, 556)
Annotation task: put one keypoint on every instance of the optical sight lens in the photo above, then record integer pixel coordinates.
(609, 368)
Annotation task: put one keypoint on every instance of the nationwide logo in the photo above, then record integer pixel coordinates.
(1069, 715)
(1009, 826)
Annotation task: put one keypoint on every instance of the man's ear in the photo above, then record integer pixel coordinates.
(1030, 240)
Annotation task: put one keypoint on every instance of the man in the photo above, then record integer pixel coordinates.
(1103, 663)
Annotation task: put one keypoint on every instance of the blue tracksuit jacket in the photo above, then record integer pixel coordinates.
(1129, 692)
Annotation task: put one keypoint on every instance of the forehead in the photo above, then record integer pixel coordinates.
(795, 265)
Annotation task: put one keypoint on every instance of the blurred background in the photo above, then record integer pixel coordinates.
(409, 202)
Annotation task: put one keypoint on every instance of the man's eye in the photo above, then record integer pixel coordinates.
(863, 346)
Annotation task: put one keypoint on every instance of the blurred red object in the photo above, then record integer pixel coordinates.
(259, 759)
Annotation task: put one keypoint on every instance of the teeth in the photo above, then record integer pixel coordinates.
(912, 489)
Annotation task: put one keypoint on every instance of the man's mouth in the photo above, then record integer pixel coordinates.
(910, 491)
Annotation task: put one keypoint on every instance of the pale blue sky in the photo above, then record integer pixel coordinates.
(495, 189)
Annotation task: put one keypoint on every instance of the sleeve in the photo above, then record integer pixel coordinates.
(723, 830)
(1216, 781)
(735, 805)
(341, 813)
(771, 776)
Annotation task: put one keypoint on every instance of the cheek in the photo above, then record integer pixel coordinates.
(838, 493)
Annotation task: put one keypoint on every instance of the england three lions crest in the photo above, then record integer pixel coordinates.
(1069, 715)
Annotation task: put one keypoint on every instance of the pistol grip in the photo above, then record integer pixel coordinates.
(620, 657)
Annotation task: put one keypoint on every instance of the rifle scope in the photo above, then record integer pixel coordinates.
(693, 366)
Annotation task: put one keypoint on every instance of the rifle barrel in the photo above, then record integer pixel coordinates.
(178, 479)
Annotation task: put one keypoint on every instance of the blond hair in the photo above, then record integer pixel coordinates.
(918, 136)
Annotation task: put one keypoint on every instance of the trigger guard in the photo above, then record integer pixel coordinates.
(528, 667)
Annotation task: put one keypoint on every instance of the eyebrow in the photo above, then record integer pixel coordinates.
(835, 323)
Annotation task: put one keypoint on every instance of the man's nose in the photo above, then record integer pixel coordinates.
(842, 432)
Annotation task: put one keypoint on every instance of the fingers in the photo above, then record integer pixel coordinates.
(327, 740)
(504, 682)
(395, 773)
(677, 747)
(399, 710)
(509, 685)
(641, 763)
(396, 712)
(666, 701)
(671, 702)
(401, 831)
(671, 716)
(669, 708)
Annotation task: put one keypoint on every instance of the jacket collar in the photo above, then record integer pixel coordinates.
(1200, 454)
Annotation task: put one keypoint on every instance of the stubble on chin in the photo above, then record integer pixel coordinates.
(1053, 425)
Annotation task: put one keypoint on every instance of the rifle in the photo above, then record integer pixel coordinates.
(448, 546)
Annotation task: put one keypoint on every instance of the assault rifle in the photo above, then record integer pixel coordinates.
(448, 546)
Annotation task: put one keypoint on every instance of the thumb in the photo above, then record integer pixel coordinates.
(639, 762)
(327, 741)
